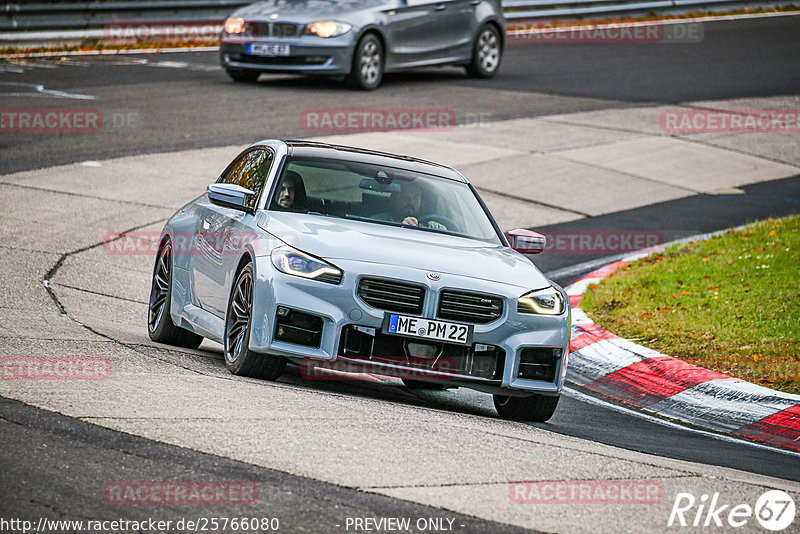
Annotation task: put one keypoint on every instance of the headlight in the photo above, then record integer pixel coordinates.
(546, 301)
(291, 261)
(327, 28)
(234, 25)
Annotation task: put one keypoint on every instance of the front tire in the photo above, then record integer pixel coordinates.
(239, 359)
(538, 408)
(366, 72)
(159, 321)
(487, 52)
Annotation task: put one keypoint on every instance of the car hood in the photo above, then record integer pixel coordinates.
(303, 9)
(334, 238)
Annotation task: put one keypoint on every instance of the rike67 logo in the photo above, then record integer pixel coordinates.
(774, 510)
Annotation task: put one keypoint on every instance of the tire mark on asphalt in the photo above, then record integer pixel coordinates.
(84, 195)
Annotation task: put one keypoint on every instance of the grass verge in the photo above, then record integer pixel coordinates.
(730, 304)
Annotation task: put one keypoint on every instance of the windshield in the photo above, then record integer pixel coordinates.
(381, 195)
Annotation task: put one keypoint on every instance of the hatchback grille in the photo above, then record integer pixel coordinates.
(276, 29)
(469, 307)
(391, 295)
(284, 29)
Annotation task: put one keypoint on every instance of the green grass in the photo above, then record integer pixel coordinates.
(731, 303)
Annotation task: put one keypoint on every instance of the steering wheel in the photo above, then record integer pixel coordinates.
(448, 223)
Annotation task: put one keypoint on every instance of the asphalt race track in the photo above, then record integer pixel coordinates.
(152, 104)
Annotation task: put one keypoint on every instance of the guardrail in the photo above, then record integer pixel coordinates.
(32, 17)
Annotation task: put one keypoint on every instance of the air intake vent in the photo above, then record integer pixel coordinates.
(538, 363)
(393, 296)
(469, 307)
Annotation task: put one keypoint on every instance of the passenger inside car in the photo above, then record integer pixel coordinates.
(291, 193)
(405, 206)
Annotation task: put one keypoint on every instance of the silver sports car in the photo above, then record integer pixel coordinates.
(349, 260)
(362, 39)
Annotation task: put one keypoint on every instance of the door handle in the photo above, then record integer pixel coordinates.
(440, 7)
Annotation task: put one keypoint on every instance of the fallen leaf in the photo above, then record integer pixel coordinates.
(666, 308)
(712, 288)
(646, 315)
(686, 292)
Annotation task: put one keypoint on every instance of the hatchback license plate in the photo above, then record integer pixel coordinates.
(265, 49)
(403, 325)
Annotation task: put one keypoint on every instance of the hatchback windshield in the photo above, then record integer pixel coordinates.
(381, 195)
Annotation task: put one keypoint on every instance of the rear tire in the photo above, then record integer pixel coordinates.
(159, 321)
(243, 76)
(239, 359)
(538, 408)
(487, 52)
(366, 72)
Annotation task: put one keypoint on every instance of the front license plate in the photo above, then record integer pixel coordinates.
(266, 49)
(403, 325)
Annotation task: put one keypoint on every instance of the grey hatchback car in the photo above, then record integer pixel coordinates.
(362, 39)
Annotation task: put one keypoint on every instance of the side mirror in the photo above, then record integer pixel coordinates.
(526, 241)
(230, 196)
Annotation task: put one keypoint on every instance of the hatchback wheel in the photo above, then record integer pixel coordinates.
(537, 408)
(239, 359)
(486, 53)
(159, 322)
(367, 70)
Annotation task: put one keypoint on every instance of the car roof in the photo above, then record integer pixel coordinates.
(361, 155)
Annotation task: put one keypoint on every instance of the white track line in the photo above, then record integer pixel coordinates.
(583, 397)
(39, 88)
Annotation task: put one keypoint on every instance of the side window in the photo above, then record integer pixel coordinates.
(250, 171)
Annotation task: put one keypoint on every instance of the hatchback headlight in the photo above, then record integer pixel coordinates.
(234, 25)
(291, 261)
(327, 28)
(546, 301)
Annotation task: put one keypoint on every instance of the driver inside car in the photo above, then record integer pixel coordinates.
(405, 205)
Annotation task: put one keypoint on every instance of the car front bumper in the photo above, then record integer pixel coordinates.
(340, 310)
(308, 55)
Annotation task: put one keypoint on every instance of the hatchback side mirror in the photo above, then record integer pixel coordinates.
(230, 195)
(526, 241)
